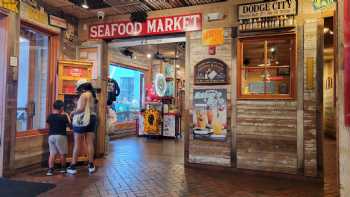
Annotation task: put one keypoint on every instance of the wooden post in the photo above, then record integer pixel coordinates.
(9, 92)
(102, 104)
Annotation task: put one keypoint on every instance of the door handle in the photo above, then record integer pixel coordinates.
(31, 109)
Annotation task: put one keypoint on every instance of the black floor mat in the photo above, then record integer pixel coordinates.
(11, 188)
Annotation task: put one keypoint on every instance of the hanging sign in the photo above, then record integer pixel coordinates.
(321, 4)
(267, 15)
(267, 9)
(57, 22)
(347, 62)
(152, 26)
(11, 5)
(210, 71)
(213, 37)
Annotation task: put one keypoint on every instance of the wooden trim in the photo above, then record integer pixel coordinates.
(138, 68)
(38, 28)
(292, 85)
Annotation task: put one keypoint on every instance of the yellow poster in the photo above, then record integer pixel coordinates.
(213, 37)
(151, 122)
(11, 5)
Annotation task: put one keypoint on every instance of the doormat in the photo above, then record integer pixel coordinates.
(22, 188)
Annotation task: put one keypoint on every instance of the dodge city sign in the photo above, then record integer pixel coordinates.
(152, 26)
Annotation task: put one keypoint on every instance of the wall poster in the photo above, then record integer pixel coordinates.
(210, 71)
(210, 114)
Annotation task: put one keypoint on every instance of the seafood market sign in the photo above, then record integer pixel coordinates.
(152, 26)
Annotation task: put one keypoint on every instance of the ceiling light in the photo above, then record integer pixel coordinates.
(177, 66)
(149, 55)
(85, 5)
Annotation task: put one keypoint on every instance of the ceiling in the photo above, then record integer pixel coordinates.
(119, 7)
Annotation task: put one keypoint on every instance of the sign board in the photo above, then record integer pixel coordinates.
(152, 26)
(267, 15)
(347, 62)
(210, 71)
(169, 126)
(11, 5)
(213, 37)
(210, 114)
(267, 9)
(57, 22)
(322, 4)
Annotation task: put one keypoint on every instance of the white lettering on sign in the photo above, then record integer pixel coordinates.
(267, 9)
(153, 26)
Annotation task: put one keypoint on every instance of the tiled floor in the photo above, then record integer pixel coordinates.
(146, 167)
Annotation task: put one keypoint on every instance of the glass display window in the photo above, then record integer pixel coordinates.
(266, 67)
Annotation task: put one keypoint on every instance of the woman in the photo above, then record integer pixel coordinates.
(86, 125)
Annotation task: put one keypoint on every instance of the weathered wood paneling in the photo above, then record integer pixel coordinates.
(31, 150)
(267, 136)
(208, 152)
(310, 99)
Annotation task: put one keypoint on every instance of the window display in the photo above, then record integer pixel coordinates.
(266, 67)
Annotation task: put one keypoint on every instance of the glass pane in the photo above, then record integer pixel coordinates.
(253, 70)
(128, 103)
(279, 62)
(33, 79)
(22, 91)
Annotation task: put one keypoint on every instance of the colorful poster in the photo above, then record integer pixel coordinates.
(210, 114)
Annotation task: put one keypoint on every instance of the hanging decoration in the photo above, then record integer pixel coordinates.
(160, 85)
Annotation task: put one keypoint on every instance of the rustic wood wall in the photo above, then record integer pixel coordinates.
(344, 132)
(208, 152)
(267, 135)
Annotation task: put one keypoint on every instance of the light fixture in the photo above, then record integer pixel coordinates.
(149, 55)
(85, 5)
(177, 66)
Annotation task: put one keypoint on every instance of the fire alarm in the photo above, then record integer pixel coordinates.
(212, 50)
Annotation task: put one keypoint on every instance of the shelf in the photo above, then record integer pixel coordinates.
(70, 78)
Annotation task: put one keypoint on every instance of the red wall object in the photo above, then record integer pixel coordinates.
(347, 62)
(152, 26)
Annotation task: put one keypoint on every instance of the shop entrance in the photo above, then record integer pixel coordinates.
(150, 74)
(329, 114)
(130, 100)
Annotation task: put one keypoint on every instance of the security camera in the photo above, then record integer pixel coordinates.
(100, 15)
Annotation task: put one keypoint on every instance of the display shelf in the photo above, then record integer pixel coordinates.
(69, 72)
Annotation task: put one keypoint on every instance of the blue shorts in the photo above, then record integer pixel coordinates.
(89, 128)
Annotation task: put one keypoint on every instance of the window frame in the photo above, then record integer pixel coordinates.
(240, 59)
(53, 44)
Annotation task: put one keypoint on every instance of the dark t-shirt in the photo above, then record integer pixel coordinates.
(57, 124)
(113, 90)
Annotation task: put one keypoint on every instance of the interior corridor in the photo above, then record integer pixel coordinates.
(151, 167)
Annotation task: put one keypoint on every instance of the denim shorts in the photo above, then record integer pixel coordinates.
(89, 128)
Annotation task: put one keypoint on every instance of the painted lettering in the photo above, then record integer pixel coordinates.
(100, 30)
(168, 24)
(160, 26)
(93, 31)
(151, 26)
(177, 23)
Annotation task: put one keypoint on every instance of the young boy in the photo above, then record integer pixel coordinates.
(58, 121)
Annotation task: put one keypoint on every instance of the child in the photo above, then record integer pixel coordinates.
(58, 122)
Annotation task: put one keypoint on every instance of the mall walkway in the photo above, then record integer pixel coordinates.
(146, 167)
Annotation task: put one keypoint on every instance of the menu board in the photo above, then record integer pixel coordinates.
(210, 71)
(210, 114)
